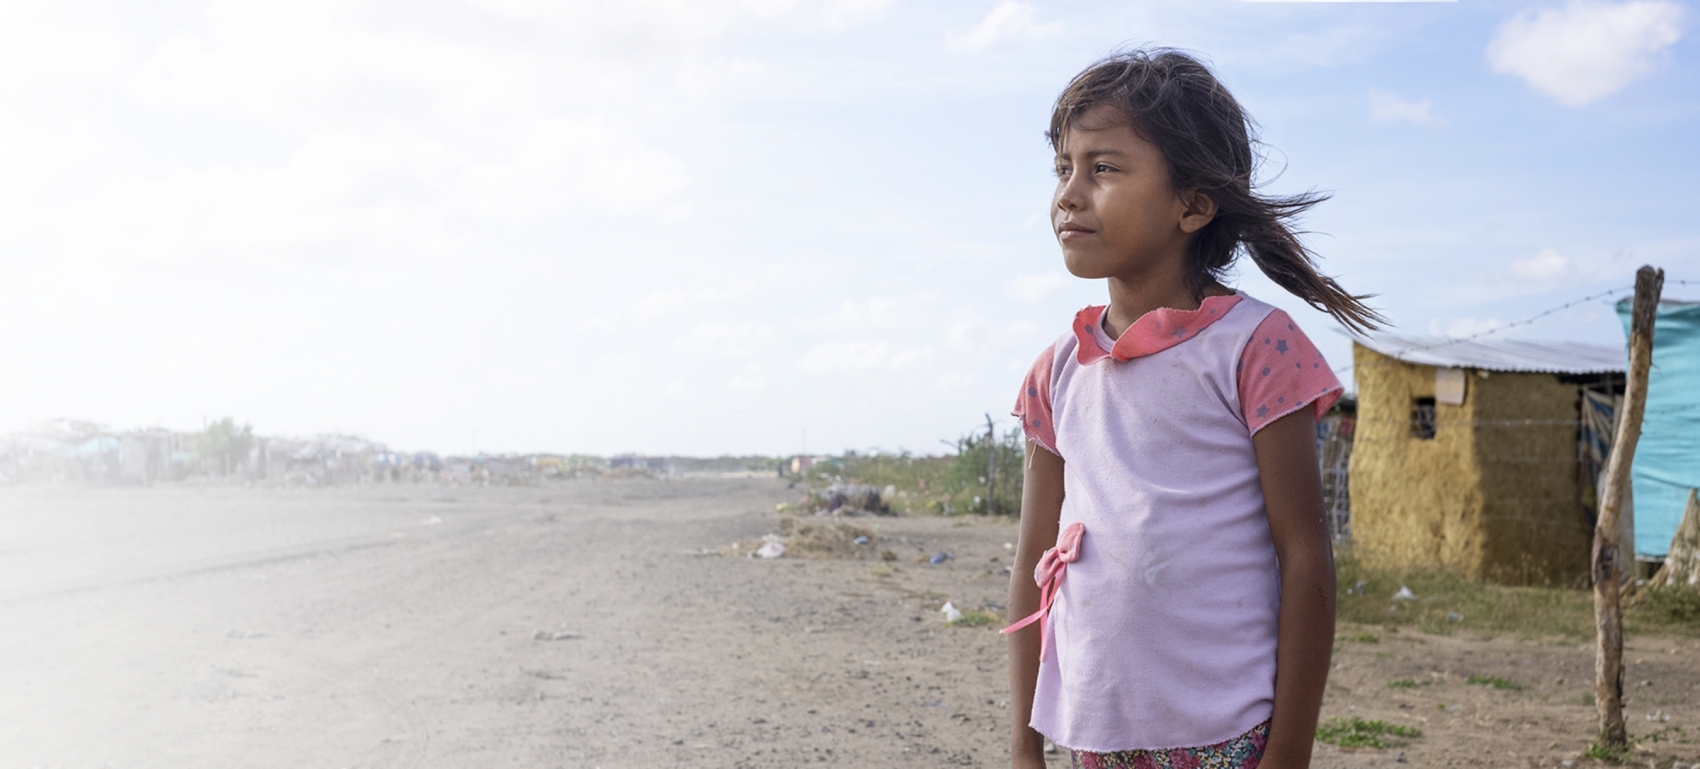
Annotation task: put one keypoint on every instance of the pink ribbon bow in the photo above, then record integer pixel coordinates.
(1049, 574)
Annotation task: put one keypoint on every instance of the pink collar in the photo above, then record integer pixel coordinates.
(1154, 332)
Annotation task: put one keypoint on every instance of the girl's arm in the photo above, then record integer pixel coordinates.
(1041, 507)
(1292, 495)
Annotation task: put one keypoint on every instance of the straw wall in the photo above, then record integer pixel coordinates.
(1535, 529)
(1492, 496)
(1415, 503)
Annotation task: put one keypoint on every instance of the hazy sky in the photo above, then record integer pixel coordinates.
(680, 226)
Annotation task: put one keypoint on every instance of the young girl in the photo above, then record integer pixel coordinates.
(1185, 617)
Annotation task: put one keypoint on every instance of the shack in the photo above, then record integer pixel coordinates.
(1667, 458)
(1469, 455)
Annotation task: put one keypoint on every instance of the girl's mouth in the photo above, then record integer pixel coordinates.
(1072, 232)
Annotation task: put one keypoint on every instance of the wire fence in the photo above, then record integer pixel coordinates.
(1522, 462)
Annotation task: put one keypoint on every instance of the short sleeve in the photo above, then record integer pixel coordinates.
(1281, 371)
(1033, 405)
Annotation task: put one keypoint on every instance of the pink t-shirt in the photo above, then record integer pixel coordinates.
(1163, 632)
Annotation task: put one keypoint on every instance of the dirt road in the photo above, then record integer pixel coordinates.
(583, 624)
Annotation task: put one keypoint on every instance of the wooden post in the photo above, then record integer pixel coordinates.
(991, 463)
(1608, 553)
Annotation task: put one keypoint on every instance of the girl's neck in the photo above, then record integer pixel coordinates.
(1131, 299)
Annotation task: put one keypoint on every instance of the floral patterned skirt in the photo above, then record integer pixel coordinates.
(1242, 752)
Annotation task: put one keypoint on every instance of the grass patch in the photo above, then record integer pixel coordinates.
(1363, 638)
(1617, 754)
(1663, 607)
(975, 618)
(1407, 683)
(1494, 682)
(1357, 733)
(1609, 753)
(1525, 612)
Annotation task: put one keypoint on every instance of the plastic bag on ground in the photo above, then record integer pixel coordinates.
(772, 547)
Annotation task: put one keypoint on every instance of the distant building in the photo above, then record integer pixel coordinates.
(1471, 456)
(144, 456)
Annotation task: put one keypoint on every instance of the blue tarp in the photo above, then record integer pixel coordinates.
(1667, 459)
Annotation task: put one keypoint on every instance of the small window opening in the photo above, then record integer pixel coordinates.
(1422, 419)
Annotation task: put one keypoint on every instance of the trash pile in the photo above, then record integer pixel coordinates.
(801, 538)
(843, 499)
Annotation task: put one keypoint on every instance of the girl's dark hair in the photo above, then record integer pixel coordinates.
(1176, 103)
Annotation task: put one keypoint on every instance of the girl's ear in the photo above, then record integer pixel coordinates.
(1199, 210)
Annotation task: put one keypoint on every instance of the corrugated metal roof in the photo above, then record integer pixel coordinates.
(1499, 354)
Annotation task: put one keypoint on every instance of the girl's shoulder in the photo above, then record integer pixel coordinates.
(1033, 403)
(1280, 370)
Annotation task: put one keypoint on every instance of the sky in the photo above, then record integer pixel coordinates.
(752, 226)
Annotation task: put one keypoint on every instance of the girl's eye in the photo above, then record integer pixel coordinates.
(1062, 171)
(1102, 168)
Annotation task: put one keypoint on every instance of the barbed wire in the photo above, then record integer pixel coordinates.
(1496, 329)
(1514, 324)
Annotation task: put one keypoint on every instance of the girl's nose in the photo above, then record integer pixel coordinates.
(1067, 198)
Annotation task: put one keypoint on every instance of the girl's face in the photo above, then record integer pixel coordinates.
(1115, 211)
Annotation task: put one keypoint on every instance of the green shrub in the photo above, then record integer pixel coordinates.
(1357, 733)
(1493, 682)
(945, 485)
(975, 618)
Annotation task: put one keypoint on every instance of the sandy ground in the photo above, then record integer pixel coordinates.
(583, 624)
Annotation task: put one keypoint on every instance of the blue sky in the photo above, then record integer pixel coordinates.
(701, 228)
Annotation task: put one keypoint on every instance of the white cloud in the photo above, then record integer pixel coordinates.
(749, 380)
(844, 356)
(1545, 266)
(874, 313)
(1586, 50)
(674, 301)
(723, 340)
(952, 382)
(1387, 108)
(862, 356)
(1009, 19)
(977, 337)
(1331, 46)
(41, 53)
(1032, 288)
(689, 19)
(908, 359)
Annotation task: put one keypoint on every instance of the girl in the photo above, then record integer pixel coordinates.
(1185, 617)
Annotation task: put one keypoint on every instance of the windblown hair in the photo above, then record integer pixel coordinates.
(1175, 102)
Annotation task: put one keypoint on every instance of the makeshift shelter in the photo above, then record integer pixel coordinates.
(1468, 455)
(1682, 564)
(1667, 458)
